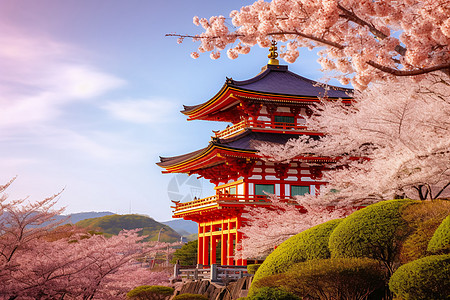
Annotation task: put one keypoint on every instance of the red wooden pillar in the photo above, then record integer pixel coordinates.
(205, 250)
(223, 250)
(200, 246)
(213, 249)
(238, 239)
(230, 248)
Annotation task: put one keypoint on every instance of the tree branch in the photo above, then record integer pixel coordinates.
(349, 15)
(198, 36)
(408, 73)
(439, 193)
(311, 37)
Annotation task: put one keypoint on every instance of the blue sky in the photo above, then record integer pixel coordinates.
(90, 94)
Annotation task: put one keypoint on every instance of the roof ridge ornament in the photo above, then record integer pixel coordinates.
(273, 54)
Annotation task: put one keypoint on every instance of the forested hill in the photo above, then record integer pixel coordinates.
(112, 225)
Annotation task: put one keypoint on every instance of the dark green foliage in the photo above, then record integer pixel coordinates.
(423, 218)
(251, 269)
(187, 255)
(336, 278)
(427, 278)
(309, 244)
(112, 225)
(272, 293)
(190, 297)
(440, 242)
(150, 292)
(376, 231)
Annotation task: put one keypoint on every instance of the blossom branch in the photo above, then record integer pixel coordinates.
(408, 73)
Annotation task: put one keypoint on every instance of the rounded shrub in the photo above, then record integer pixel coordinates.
(375, 231)
(350, 278)
(423, 218)
(272, 293)
(251, 269)
(309, 244)
(188, 296)
(440, 241)
(145, 292)
(427, 278)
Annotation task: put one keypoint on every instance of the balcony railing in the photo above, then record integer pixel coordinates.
(241, 126)
(223, 199)
(232, 130)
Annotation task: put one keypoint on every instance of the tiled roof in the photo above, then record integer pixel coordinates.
(276, 79)
(247, 141)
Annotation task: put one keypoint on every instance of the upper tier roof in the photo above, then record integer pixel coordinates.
(276, 79)
(275, 84)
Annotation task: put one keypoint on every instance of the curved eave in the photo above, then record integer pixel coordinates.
(212, 155)
(230, 96)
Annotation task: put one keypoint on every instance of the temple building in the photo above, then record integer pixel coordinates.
(269, 107)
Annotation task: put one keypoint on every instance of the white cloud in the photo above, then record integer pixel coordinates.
(39, 76)
(144, 111)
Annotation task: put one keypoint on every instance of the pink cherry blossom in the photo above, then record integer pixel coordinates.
(375, 38)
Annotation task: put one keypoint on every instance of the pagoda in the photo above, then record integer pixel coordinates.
(269, 107)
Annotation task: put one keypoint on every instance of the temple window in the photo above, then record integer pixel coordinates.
(262, 189)
(285, 119)
(299, 190)
(233, 190)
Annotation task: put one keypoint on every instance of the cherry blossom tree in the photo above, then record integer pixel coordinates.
(393, 141)
(361, 40)
(266, 228)
(398, 129)
(41, 260)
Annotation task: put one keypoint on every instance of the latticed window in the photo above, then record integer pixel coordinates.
(233, 190)
(285, 119)
(299, 190)
(267, 188)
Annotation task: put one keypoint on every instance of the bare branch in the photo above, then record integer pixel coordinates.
(354, 18)
(408, 73)
(311, 37)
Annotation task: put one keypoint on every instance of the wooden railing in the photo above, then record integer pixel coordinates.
(275, 125)
(212, 273)
(231, 130)
(238, 127)
(225, 199)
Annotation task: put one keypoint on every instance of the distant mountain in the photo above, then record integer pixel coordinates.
(74, 218)
(113, 224)
(183, 227)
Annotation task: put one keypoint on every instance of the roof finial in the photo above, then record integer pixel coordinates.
(273, 54)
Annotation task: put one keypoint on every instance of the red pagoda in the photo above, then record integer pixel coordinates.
(266, 108)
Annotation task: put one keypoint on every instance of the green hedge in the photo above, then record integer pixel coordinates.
(343, 278)
(251, 269)
(145, 292)
(309, 244)
(427, 278)
(375, 231)
(440, 242)
(188, 296)
(272, 293)
(423, 218)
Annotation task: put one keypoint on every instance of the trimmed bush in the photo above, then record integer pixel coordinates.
(188, 296)
(147, 292)
(309, 244)
(251, 269)
(423, 218)
(272, 293)
(427, 278)
(440, 242)
(375, 231)
(340, 278)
